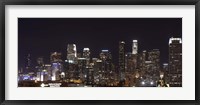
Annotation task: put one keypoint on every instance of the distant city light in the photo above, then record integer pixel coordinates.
(143, 82)
(42, 85)
(104, 50)
(133, 69)
(134, 40)
(86, 49)
(151, 83)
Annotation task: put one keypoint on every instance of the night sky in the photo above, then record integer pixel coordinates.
(41, 36)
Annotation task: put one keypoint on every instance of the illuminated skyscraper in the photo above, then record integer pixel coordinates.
(165, 69)
(142, 57)
(86, 55)
(71, 53)
(97, 71)
(56, 71)
(56, 65)
(135, 47)
(106, 57)
(40, 68)
(82, 73)
(130, 62)
(72, 63)
(175, 62)
(154, 57)
(122, 60)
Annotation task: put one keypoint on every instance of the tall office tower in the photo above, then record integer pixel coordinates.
(28, 64)
(71, 53)
(82, 73)
(40, 68)
(149, 68)
(97, 71)
(122, 60)
(135, 47)
(154, 57)
(141, 60)
(47, 69)
(175, 62)
(86, 54)
(130, 62)
(130, 67)
(56, 65)
(72, 61)
(45, 73)
(165, 69)
(106, 58)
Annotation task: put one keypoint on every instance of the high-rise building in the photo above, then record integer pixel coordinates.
(71, 53)
(165, 69)
(130, 67)
(56, 65)
(86, 55)
(141, 60)
(175, 62)
(154, 57)
(48, 71)
(56, 70)
(106, 58)
(82, 69)
(122, 60)
(40, 68)
(135, 47)
(72, 63)
(97, 71)
(130, 62)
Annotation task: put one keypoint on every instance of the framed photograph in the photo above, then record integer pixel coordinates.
(75, 52)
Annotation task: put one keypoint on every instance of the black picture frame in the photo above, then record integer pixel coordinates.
(98, 2)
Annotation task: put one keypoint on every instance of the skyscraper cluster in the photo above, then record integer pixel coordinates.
(134, 69)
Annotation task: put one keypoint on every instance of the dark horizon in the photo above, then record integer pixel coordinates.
(41, 36)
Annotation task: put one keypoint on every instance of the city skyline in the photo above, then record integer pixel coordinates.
(46, 40)
(100, 52)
